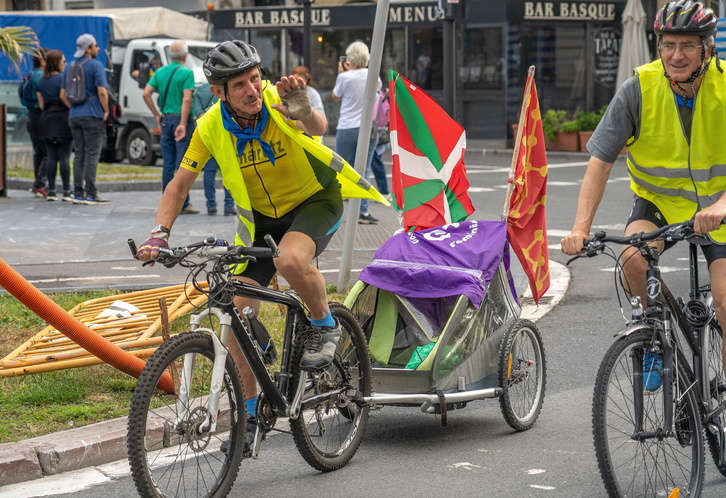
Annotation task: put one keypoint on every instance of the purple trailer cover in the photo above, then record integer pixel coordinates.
(460, 258)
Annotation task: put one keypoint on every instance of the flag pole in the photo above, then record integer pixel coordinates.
(517, 143)
(361, 151)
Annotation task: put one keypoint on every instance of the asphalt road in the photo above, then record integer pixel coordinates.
(407, 453)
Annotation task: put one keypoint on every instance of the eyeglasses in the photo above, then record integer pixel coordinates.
(686, 48)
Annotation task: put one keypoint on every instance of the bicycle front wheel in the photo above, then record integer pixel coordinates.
(636, 457)
(171, 450)
(327, 434)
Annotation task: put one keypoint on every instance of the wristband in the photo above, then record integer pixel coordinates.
(161, 228)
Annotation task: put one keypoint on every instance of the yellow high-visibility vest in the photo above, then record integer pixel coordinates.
(677, 176)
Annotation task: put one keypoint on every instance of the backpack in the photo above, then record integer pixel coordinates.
(26, 92)
(381, 110)
(76, 83)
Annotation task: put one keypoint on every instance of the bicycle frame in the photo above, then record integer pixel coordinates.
(663, 309)
(230, 319)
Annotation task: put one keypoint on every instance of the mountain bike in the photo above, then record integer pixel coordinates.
(648, 441)
(187, 423)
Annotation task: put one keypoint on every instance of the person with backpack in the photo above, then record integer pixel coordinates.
(175, 85)
(203, 100)
(85, 87)
(28, 97)
(54, 128)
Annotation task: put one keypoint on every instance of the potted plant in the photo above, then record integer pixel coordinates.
(560, 133)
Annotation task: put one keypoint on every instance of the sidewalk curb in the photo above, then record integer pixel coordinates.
(87, 446)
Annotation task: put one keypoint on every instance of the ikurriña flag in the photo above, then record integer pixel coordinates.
(429, 183)
(526, 221)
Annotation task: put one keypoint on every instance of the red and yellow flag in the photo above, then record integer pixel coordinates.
(526, 221)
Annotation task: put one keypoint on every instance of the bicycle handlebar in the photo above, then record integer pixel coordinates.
(211, 248)
(673, 232)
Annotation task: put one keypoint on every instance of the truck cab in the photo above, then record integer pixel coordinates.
(136, 134)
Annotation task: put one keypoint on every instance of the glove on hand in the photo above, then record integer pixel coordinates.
(298, 103)
(150, 245)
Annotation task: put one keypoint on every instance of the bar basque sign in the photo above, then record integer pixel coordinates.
(322, 16)
(598, 11)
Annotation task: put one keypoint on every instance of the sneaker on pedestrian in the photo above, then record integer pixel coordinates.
(211, 211)
(93, 200)
(652, 367)
(39, 191)
(52, 196)
(367, 219)
(320, 349)
(230, 212)
(78, 199)
(250, 430)
(189, 210)
(67, 197)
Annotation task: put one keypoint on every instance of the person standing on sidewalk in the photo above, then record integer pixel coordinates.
(54, 128)
(88, 121)
(349, 89)
(34, 111)
(175, 85)
(203, 100)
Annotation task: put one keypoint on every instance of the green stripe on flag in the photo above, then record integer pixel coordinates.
(421, 193)
(416, 124)
(457, 210)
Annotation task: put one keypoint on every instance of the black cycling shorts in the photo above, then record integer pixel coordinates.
(646, 210)
(317, 217)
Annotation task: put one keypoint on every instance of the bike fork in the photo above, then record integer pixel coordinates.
(217, 378)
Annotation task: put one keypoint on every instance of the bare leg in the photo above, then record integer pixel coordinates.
(297, 251)
(634, 265)
(249, 383)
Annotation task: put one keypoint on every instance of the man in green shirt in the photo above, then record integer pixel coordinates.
(175, 85)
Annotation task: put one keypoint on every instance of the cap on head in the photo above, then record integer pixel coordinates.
(685, 17)
(229, 59)
(82, 43)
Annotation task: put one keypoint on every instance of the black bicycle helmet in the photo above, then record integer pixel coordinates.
(685, 17)
(229, 59)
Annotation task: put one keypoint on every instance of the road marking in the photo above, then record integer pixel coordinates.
(81, 279)
(546, 488)
(559, 281)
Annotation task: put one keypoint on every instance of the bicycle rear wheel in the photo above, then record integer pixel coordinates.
(522, 375)
(328, 434)
(630, 464)
(716, 379)
(170, 452)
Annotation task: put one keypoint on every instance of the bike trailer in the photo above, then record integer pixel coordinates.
(434, 306)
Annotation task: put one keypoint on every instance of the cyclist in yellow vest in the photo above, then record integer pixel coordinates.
(671, 114)
(284, 183)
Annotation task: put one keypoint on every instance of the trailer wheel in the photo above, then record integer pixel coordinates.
(522, 375)
(138, 148)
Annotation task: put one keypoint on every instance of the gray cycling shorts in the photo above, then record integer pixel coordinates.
(646, 210)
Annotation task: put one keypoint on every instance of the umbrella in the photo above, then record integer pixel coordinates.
(634, 49)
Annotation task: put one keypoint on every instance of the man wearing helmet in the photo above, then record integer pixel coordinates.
(284, 183)
(670, 114)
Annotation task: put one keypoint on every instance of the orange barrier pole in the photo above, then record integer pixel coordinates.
(73, 328)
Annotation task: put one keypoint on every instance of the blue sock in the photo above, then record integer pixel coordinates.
(327, 321)
(251, 407)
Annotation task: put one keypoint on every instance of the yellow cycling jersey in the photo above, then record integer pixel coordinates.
(302, 167)
(274, 189)
(679, 176)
